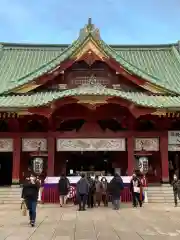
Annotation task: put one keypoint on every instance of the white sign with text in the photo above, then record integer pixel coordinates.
(174, 137)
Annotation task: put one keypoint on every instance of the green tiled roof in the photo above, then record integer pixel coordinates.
(157, 64)
(44, 98)
(20, 64)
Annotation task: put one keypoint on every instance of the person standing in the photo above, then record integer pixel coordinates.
(98, 192)
(136, 190)
(104, 191)
(90, 201)
(144, 188)
(176, 189)
(82, 191)
(30, 193)
(63, 187)
(115, 187)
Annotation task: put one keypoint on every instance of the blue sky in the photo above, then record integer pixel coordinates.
(119, 21)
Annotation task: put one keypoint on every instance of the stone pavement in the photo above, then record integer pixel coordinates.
(160, 221)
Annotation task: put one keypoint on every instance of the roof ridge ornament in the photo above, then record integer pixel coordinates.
(90, 29)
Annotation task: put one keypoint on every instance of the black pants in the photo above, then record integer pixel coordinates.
(136, 199)
(105, 199)
(82, 201)
(176, 195)
(90, 201)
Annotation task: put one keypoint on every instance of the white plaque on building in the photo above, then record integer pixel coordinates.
(146, 144)
(34, 144)
(6, 145)
(174, 148)
(91, 144)
(174, 137)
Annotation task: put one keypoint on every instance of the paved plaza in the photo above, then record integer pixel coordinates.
(53, 223)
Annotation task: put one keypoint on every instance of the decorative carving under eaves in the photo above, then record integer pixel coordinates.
(89, 144)
(92, 101)
(62, 86)
(59, 86)
(85, 80)
(146, 144)
(92, 85)
(117, 86)
(34, 144)
(6, 145)
(90, 57)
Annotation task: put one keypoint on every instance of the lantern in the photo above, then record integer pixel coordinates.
(143, 164)
(38, 165)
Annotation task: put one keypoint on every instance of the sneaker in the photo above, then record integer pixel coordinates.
(32, 224)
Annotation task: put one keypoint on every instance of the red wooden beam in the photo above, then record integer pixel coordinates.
(123, 134)
(136, 111)
(54, 72)
(42, 111)
(118, 68)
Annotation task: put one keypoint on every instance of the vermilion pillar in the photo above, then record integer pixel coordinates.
(164, 157)
(51, 156)
(130, 149)
(16, 160)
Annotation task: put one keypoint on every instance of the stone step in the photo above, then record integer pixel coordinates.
(10, 195)
(10, 202)
(160, 201)
(160, 189)
(160, 194)
(2, 189)
(160, 198)
(13, 192)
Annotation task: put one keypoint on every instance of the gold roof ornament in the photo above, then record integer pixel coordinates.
(90, 28)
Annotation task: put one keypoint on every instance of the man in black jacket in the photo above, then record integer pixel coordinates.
(115, 187)
(82, 191)
(63, 186)
(90, 200)
(30, 195)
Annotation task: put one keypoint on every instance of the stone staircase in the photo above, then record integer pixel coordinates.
(10, 195)
(156, 194)
(160, 194)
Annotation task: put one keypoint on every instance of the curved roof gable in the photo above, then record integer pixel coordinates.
(21, 65)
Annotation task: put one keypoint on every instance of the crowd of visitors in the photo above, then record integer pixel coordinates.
(92, 192)
(89, 192)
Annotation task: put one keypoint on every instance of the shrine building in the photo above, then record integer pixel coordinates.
(89, 106)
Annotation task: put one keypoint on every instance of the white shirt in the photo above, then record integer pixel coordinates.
(136, 189)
